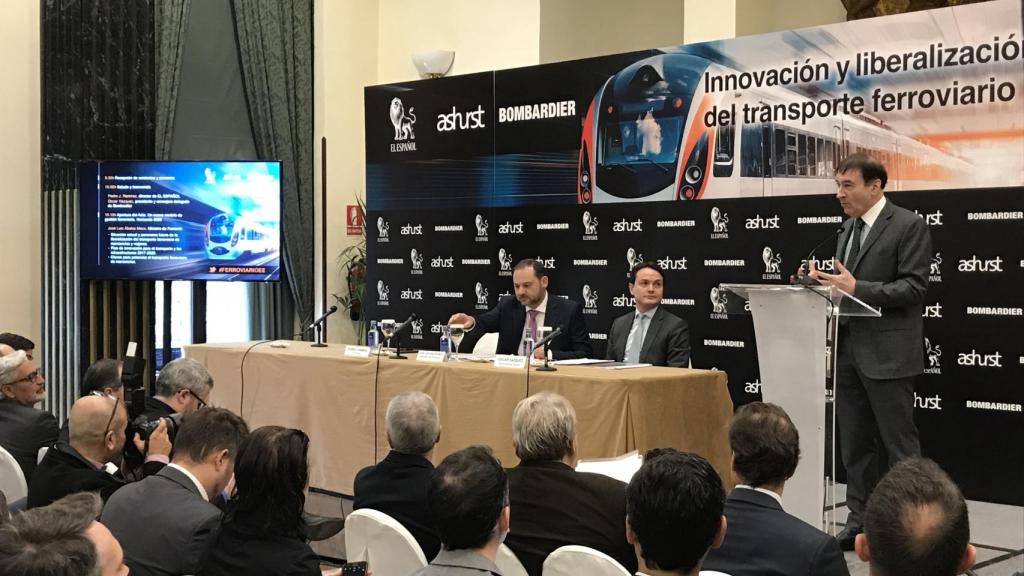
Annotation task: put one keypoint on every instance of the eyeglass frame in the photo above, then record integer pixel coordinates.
(117, 402)
(31, 377)
(202, 403)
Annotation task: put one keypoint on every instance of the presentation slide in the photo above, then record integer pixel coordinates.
(181, 220)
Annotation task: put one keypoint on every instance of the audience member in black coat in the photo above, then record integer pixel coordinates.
(552, 504)
(398, 485)
(262, 532)
(762, 539)
(24, 429)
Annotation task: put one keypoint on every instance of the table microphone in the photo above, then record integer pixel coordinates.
(547, 338)
(405, 323)
(330, 311)
(801, 277)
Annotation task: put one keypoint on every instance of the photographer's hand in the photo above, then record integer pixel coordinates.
(159, 441)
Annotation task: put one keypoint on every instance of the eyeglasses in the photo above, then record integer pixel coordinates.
(30, 378)
(202, 403)
(117, 402)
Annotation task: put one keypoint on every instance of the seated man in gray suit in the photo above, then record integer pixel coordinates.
(164, 521)
(763, 540)
(24, 429)
(650, 334)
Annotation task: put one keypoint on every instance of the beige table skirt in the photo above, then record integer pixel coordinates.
(340, 402)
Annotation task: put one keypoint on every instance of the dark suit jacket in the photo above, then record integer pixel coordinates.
(553, 506)
(763, 540)
(892, 273)
(509, 317)
(162, 522)
(23, 431)
(397, 486)
(243, 547)
(667, 342)
(64, 471)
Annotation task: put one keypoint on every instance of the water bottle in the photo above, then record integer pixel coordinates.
(372, 336)
(446, 341)
(528, 347)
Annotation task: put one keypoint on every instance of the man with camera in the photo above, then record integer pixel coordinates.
(183, 386)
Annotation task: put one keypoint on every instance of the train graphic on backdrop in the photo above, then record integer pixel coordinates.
(645, 139)
(229, 237)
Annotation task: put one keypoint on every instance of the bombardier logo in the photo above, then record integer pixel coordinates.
(589, 226)
(719, 224)
(456, 120)
(382, 293)
(628, 225)
(382, 229)
(589, 300)
(973, 358)
(935, 268)
(481, 228)
(759, 223)
(481, 296)
(536, 111)
(975, 264)
(402, 122)
(672, 264)
(772, 262)
(417, 261)
(933, 352)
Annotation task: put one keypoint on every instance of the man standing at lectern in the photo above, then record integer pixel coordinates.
(882, 258)
(518, 319)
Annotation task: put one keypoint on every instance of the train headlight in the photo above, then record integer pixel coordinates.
(693, 174)
(585, 178)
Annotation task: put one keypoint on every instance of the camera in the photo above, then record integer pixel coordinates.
(145, 427)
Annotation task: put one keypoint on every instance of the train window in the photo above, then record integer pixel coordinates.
(812, 156)
(821, 157)
(802, 154)
(780, 152)
(724, 146)
(751, 157)
(791, 159)
(766, 149)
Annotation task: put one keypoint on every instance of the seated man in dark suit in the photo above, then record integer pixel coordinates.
(183, 386)
(650, 334)
(102, 377)
(674, 513)
(398, 485)
(554, 504)
(520, 318)
(916, 523)
(87, 463)
(764, 540)
(164, 521)
(24, 429)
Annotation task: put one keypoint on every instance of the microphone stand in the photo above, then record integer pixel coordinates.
(319, 343)
(397, 355)
(546, 367)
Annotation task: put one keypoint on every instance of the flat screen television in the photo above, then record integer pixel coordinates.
(148, 220)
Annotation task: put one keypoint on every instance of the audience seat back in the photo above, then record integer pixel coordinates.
(576, 560)
(381, 541)
(509, 562)
(12, 479)
(487, 344)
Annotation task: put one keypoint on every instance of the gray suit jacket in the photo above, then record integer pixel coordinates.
(892, 273)
(23, 431)
(459, 563)
(162, 523)
(667, 342)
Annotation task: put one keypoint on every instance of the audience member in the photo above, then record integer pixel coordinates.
(103, 377)
(262, 532)
(62, 539)
(164, 521)
(398, 485)
(674, 515)
(916, 523)
(89, 461)
(468, 498)
(19, 342)
(764, 540)
(24, 429)
(182, 386)
(555, 505)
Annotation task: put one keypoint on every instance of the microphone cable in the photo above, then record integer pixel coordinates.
(241, 374)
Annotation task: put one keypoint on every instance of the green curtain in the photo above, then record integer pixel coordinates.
(275, 45)
(170, 20)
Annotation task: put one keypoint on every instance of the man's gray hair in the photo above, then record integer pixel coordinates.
(411, 421)
(9, 366)
(543, 427)
(52, 540)
(183, 373)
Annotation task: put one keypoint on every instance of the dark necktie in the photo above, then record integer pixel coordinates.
(851, 257)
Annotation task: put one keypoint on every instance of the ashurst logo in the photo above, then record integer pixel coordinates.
(760, 223)
(935, 269)
(772, 261)
(437, 327)
(410, 294)
(753, 387)
(481, 228)
(633, 257)
(928, 402)
(624, 301)
(718, 303)
(417, 261)
(504, 263)
(510, 228)
(412, 230)
(589, 300)
(719, 224)
(973, 358)
(673, 264)
(548, 263)
(825, 265)
(382, 293)
(442, 262)
(931, 218)
(933, 352)
(628, 225)
(589, 226)
(975, 264)
(456, 120)
(933, 311)
(402, 122)
(481, 296)
(417, 329)
(382, 229)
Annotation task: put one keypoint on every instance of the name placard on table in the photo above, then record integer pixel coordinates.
(357, 351)
(509, 361)
(430, 356)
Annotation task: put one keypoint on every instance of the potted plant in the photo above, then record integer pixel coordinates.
(352, 266)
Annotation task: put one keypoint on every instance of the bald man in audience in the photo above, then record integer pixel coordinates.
(89, 462)
(24, 429)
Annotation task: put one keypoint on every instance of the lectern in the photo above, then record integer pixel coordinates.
(796, 329)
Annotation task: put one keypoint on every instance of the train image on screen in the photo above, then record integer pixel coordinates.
(644, 139)
(229, 237)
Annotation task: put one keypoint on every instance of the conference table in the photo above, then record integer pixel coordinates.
(340, 403)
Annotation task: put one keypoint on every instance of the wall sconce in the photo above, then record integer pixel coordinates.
(433, 63)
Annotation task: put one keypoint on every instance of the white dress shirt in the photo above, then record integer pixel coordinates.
(541, 313)
(202, 491)
(869, 219)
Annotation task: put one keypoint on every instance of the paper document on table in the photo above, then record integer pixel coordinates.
(619, 467)
(628, 366)
(578, 361)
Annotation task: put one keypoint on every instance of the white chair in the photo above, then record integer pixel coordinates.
(509, 563)
(712, 573)
(12, 479)
(575, 560)
(486, 345)
(382, 542)
(42, 452)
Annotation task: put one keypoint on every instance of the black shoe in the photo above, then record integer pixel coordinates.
(321, 527)
(846, 538)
